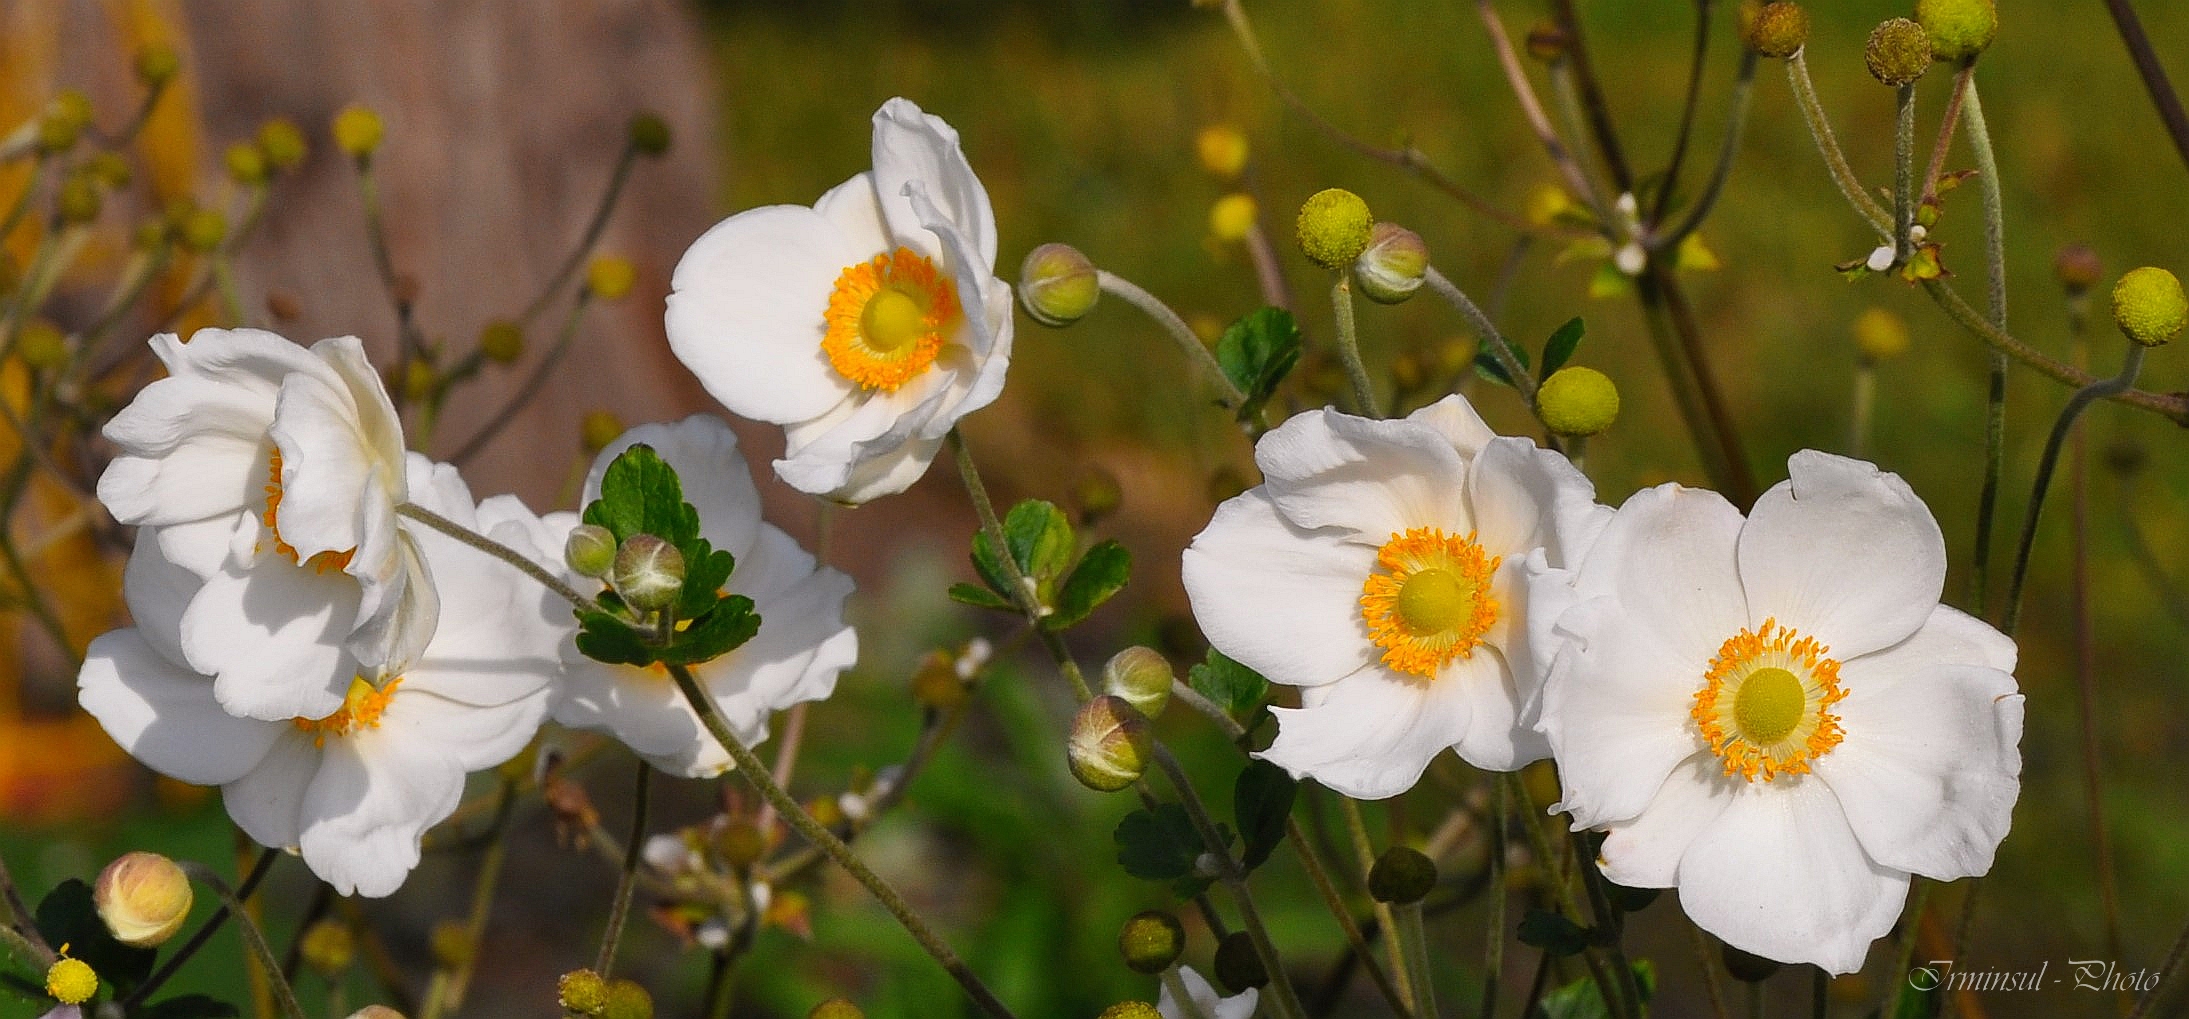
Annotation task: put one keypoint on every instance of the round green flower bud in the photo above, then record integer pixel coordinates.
(2149, 307)
(1221, 150)
(648, 573)
(110, 169)
(1238, 966)
(739, 842)
(836, 1008)
(1779, 30)
(1233, 217)
(1142, 676)
(328, 948)
(246, 163)
(2078, 268)
(582, 991)
(143, 897)
(1401, 875)
(501, 341)
(63, 121)
(1959, 29)
(71, 981)
(1057, 285)
(1151, 941)
(156, 65)
(1334, 227)
(79, 200)
(609, 277)
(282, 142)
(42, 345)
(1391, 268)
(202, 230)
(648, 134)
(627, 1000)
(1748, 968)
(358, 131)
(1898, 53)
(598, 429)
(1880, 335)
(1577, 401)
(1130, 1010)
(1109, 744)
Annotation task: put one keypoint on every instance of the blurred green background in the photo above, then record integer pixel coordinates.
(1080, 119)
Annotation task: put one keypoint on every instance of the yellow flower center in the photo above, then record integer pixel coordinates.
(887, 318)
(321, 562)
(1765, 703)
(361, 709)
(1428, 602)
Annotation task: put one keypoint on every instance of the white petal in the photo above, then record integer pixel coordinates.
(856, 210)
(1371, 735)
(1455, 419)
(827, 457)
(201, 546)
(880, 474)
(1371, 478)
(1645, 852)
(712, 472)
(272, 633)
(1843, 552)
(268, 803)
(1780, 875)
(164, 714)
(475, 737)
(157, 591)
(1283, 601)
(1499, 735)
(1929, 764)
(365, 812)
(1206, 1001)
(326, 471)
(1615, 709)
(378, 424)
(746, 307)
(910, 146)
(640, 707)
(1668, 555)
(396, 616)
(986, 330)
(212, 474)
(1524, 497)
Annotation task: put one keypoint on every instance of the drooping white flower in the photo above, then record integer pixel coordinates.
(802, 645)
(1381, 566)
(354, 788)
(1777, 716)
(273, 472)
(866, 325)
(1205, 999)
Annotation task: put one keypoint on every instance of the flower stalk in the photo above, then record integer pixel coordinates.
(1349, 348)
(1174, 327)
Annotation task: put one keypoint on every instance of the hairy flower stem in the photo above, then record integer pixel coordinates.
(2172, 406)
(1176, 328)
(451, 999)
(1688, 107)
(205, 931)
(586, 241)
(1493, 963)
(1835, 161)
(1022, 588)
(1947, 122)
(2083, 398)
(1349, 347)
(1609, 987)
(253, 941)
(497, 550)
(1707, 961)
(1285, 1001)
(1995, 422)
(1903, 171)
(619, 908)
(1492, 340)
(1364, 854)
(756, 773)
(1409, 933)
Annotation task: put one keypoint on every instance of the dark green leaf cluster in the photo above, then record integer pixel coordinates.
(1256, 353)
(640, 494)
(1068, 585)
(1162, 845)
(1556, 352)
(1234, 687)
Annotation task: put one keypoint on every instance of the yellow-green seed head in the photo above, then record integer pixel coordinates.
(1391, 268)
(649, 134)
(157, 64)
(328, 948)
(610, 277)
(1880, 335)
(1899, 51)
(1779, 30)
(1151, 941)
(1109, 745)
(501, 341)
(246, 163)
(2077, 268)
(1577, 401)
(1057, 285)
(582, 991)
(109, 169)
(79, 200)
(202, 230)
(283, 143)
(1142, 676)
(836, 1008)
(376, 1012)
(358, 131)
(1222, 151)
(598, 429)
(2149, 307)
(1334, 227)
(1959, 29)
(1131, 1010)
(627, 1000)
(71, 981)
(63, 121)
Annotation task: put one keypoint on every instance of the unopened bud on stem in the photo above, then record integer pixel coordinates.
(1151, 941)
(1109, 744)
(648, 573)
(144, 899)
(1142, 676)
(1057, 285)
(1392, 266)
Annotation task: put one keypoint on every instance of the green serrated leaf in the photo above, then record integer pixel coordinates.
(1102, 572)
(1560, 347)
(189, 1006)
(1582, 999)
(1261, 801)
(1489, 369)
(714, 633)
(1256, 353)
(1232, 686)
(1552, 933)
(979, 597)
(605, 638)
(1159, 844)
(68, 915)
(1041, 539)
(706, 569)
(640, 494)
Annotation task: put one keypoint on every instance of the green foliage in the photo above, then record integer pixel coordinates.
(188, 1006)
(640, 494)
(1261, 801)
(1162, 845)
(68, 916)
(1234, 687)
(1041, 542)
(1560, 347)
(1552, 933)
(1488, 366)
(1256, 353)
(1102, 572)
(1582, 999)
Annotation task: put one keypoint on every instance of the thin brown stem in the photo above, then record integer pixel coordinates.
(2171, 406)
(533, 383)
(1531, 107)
(633, 853)
(1687, 110)
(2154, 75)
(593, 229)
(1592, 95)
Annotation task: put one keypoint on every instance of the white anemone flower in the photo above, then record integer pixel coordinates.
(353, 789)
(866, 325)
(802, 645)
(1382, 567)
(1206, 1002)
(273, 471)
(1777, 716)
